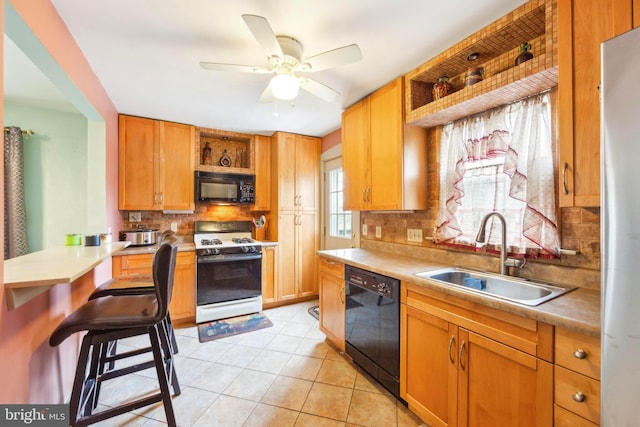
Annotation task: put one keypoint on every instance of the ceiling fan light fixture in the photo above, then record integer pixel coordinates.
(285, 86)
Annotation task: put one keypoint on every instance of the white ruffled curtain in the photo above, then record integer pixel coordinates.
(15, 213)
(500, 161)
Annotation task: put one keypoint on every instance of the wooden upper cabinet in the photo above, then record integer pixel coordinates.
(384, 161)
(138, 159)
(355, 155)
(176, 166)
(156, 164)
(582, 26)
(296, 160)
(262, 148)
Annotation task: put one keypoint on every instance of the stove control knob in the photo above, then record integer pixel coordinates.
(245, 249)
(215, 251)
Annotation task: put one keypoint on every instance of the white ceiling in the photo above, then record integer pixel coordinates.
(146, 53)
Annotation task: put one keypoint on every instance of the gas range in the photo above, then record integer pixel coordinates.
(216, 238)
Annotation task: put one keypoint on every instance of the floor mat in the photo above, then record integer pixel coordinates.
(232, 326)
(315, 311)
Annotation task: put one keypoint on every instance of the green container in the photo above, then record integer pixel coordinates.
(73, 239)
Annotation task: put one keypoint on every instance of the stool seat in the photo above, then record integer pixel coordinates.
(109, 313)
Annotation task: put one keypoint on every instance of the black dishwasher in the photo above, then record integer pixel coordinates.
(373, 325)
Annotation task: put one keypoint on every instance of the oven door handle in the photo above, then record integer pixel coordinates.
(226, 258)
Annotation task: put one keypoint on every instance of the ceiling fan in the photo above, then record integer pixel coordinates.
(284, 54)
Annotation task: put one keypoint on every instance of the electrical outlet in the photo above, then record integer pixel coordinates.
(378, 232)
(135, 216)
(174, 226)
(364, 229)
(414, 235)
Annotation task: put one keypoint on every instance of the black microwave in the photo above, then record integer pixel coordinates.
(213, 187)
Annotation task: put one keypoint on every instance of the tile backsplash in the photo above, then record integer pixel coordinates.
(185, 222)
(580, 232)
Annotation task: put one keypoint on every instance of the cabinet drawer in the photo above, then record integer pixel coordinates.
(137, 261)
(333, 268)
(570, 388)
(564, 418)
(578, 352)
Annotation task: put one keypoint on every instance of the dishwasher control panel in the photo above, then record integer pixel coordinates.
(382, 285)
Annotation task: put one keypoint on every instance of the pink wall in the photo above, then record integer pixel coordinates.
(331, 140)
(33, 372)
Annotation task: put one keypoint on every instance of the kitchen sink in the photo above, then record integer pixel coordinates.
(514, 289)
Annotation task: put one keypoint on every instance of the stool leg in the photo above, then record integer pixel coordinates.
(79, 380)
(174, 343)
(162, 375)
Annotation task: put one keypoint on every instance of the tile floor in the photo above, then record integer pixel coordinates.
(284, 375)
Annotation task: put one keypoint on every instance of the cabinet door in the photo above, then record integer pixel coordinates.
(332, 307)
(178, 164)
(183, 301)
(138, 163)
(285, 147)
(269, 274)
(262, 150)
(431, 367)
(307, 172)
(501, 386)
(286, 287)
(307, 244)
(582, 26)
(386, 147)
(356, 156)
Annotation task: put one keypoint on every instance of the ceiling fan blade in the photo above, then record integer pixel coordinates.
(265, 36)
(234, 67)
(267, 95)
(318, 89)
(334, 58)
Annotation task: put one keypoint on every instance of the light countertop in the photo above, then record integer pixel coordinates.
(182, 247)
(578, 310)
(29, 275)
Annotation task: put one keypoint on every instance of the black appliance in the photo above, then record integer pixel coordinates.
(373, 325)
(212, 187)
(228, 270)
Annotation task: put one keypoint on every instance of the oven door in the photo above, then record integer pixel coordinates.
(228, 278)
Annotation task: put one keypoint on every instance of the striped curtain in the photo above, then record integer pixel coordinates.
(15, 214)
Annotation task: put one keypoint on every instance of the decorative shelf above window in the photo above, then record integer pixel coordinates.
(497, 46)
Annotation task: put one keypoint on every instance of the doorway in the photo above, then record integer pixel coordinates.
(340, 228)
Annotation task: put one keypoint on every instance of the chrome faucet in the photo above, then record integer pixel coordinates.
(480, 238)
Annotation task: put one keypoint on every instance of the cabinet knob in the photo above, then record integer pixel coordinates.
(579, 396)
(580, 354)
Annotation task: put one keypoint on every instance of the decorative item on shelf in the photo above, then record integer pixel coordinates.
(225, 160)
(442, 88)
(525, 55)
(473, 76)
(206, 154)
(238, 162)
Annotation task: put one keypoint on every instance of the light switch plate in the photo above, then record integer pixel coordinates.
(174, 226)
(364, 229)
(135, 216)
(378, 232)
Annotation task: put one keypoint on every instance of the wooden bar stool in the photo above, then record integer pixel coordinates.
(111, 318)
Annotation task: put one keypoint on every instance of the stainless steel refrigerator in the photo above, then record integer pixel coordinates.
(620, 214)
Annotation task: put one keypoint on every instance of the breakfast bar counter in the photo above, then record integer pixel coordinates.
(29, 275)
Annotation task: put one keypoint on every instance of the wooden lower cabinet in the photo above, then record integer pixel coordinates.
(576, 379)
(455, 371)
(332, 301)
(269, 274)
(183, 301)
